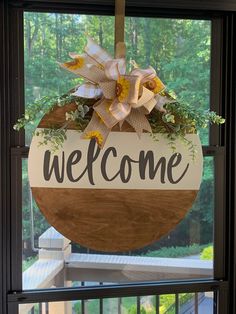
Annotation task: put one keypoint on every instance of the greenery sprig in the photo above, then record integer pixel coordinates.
(178, 120)
(54, 137)
(181, 119)
(43, 106)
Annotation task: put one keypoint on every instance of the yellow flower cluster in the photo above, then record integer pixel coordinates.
(155, 85)
(95, 134)
(77, 63)
(122, 88)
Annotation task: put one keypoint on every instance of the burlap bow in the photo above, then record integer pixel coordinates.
(122, 97)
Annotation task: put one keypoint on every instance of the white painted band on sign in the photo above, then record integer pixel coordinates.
(125, 162)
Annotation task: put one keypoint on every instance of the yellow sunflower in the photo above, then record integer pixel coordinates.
(77, 63)
(122, 88)
(155, 85)
(95, 134)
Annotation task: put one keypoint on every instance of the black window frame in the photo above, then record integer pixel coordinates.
(222, 147)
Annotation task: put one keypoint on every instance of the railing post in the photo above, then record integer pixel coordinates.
(55, 246)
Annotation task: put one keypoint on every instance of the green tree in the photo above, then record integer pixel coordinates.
(178, 49)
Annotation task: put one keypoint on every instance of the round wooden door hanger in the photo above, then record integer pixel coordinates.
(121, 197)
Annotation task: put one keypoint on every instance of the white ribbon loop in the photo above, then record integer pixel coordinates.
(97, 53)
(88, 90)
(114, 68)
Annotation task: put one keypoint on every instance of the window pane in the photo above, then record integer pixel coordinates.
(184, 303)
(49, 38)
(178, 49)
(186, 252)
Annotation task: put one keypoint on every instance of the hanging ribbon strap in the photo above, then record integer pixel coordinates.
(120, 49)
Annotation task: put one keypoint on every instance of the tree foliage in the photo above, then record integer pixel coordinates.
(178, 49)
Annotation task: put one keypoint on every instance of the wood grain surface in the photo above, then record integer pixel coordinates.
(110, 220)
(113, 220)
(57, 117)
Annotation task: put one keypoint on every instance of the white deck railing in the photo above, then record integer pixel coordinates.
(58, 267)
